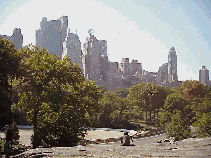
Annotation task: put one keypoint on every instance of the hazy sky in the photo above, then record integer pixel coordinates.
(143, 30)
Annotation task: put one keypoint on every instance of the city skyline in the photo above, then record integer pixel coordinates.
(140, 30)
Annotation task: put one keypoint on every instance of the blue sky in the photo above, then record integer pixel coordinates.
(143, 30)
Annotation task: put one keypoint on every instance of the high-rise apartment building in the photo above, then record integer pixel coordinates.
(204, 76)
(16, 38)
(134, 67)
(162, 74)
(103, 47)
(125, 67)
(73, 46)
(52, 35)
(92, 59)
(172, 65)
(114, 76)
(130, 69)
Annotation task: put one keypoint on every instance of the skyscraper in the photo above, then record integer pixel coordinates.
(162, 74)
(52, 35)
(125, 66)
(73, 46)
(172, 65)
(92, 59)
(204, 76)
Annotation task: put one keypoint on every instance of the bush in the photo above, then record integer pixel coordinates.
(203, 125)
(178, 126)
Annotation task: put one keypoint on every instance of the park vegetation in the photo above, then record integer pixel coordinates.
(53, 96)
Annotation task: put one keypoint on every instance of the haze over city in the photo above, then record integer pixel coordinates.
(135, 29)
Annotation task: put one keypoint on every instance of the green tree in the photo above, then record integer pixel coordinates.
(174, 101)
(203, 125)
(102, 89)
(201, 108)
(177, 126)
(175, 117)
(8, 70)
(191, 89)
(108, 104)
(56, 97)
(147, 97)
(121, 92)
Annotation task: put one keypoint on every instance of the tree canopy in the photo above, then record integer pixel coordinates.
(56, 97)
(8, 70)
(187, 105)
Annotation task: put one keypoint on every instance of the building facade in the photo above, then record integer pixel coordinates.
(52, 35)
(16, 38)
(162, 74)
(204, 76)
(73, 49)
(92, 59)
(172, 65)
(114, 76)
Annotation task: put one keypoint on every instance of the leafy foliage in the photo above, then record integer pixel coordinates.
(191, 89)
(174, 101)
(56, 97)
(9, 66)
(177, 126)
(203, 125)
(121, 92)
(202, 116)
(147, 97)
(187, 105)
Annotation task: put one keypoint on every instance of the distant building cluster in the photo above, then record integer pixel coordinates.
(54, 36)
(93, 60)
(97, 67)
(166, 75)
(16, 38)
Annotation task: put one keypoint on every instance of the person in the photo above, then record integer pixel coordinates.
(8, 139)
(126, 140)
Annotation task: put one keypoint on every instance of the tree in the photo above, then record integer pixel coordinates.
(187, 105)
(191, 89)
(174, 101)
(56, 97)
(102, 89)
(203, 125)
(121, 92)
(108, 104)
(177, 126)
(142, 94)
(201, 108)
(9, 66)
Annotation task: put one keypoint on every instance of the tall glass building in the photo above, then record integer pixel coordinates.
(172, 65)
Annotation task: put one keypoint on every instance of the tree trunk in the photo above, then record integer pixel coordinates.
(146, 115)
(35, 139)
(154, 116)
(150, 116)
(10, 110)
